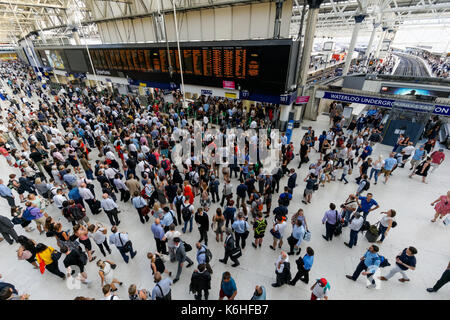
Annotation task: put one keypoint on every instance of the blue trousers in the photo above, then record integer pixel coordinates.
(381, 230)
(353, 238)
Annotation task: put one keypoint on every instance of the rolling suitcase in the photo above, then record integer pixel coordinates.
(372, 234)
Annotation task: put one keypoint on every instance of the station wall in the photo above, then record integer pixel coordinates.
(239, 22)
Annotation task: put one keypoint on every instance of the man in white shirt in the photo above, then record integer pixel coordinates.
(408, 151)
(169, 236)
(282, 269)
(87, 195)
(108, 294)
(110, 208)
(355, 225)
(59, 198)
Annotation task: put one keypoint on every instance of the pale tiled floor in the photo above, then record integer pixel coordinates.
(410, 198)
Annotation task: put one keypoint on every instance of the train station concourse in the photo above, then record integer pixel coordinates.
(224, 150)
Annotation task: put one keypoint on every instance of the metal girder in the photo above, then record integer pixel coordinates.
(32, 4)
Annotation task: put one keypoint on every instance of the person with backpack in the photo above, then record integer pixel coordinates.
(78, 259)
(369, 263)
(331, 219)
(7, 230)
(181, 257)
(319, 289)
(202, 220)
(214, 188)
(259, 228)
(282, 270)
(187, 212)
(365, 205)
(140, 204)
(203, 256)
(167, 219)
(241, 229)
(241, 192)
(178, 201)
(405, 260)
(386, 223)
(77, 213)
(363, 185)
(162, 290)
(285, 197)
(200, 282)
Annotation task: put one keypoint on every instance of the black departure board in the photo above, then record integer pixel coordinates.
(207, 62)
(188, 67)
(156, 61)
(240, 63)
(228, 62)
(264, 67)
(217, 62)
(197, 61)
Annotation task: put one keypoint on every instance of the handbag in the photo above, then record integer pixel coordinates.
(113, 266)
(145, 210)
(236, 253)
(187, 246)
(338, 226)
(276, 234)
(127, 246)
(307, 236)
(55, 255)
(41, 264)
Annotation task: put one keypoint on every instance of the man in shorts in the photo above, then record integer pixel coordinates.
(227, 287)
(388, 166)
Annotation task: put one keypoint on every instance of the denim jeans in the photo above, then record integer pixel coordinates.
(376, 171)
(381, 230)
(343, 178)
(186, 223)
(353, 238)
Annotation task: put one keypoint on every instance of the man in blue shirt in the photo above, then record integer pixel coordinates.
(6, 193)
(389, 164)
(303, 266)
(366, 204)
(418, 156)
(158, 234)
(227, 287)
(241, 192)
(369, 263)
(404, 261)
(366, 152)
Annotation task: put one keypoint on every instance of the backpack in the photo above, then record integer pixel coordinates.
(208, 255)
(175, 222)
(366, 186)
(179, 201)
(76, 213)
(186, 213)
(261, 227)
(164, 164)
(384, 262)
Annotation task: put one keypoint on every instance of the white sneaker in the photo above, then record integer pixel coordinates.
(29, 229)
(371, 286)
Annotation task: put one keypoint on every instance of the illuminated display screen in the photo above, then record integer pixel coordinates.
(250, 66)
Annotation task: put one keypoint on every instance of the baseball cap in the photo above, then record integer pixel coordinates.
(323, 282)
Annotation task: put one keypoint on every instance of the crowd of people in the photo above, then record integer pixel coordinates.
(70, 144)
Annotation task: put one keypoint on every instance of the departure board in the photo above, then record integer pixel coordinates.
(240, 63)
(136, 60)
(163, 60)
(177, 60)
(217, 62)
(118, 61)
(228, 62)
(148, 61)
(130, 60)
(253, 65)
(197, 61)
(266, 66)
(207, 62)
(156, 62)
(123, 58)
(173, 60)
(187, 59)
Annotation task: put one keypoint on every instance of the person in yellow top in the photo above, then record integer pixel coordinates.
(44, 254)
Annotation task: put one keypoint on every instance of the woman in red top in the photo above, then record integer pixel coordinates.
(443, 206)
(188, 192)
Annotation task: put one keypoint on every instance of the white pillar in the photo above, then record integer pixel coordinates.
(372, 37)
(76, 37)
(308, 44)
(351, 47)
(383, 35)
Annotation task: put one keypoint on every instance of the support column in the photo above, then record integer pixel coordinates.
(308, 42)
(76, 37)
(372, 37)
(351, 47)
(284, 115)
(383, 35)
